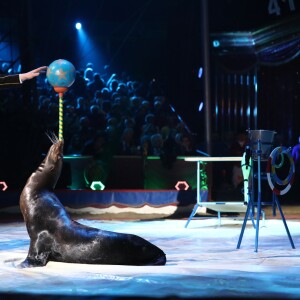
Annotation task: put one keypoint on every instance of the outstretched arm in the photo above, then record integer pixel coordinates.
(32, 74)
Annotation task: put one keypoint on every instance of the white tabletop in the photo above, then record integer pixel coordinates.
(214, 158)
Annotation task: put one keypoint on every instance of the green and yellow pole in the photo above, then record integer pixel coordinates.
(60, 117)
(60, 91)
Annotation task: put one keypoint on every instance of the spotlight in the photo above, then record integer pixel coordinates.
(200, 106)
(78, 26)
(216, 43)
(200, 72)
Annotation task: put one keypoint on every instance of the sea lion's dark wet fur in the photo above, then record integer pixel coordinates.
(54, 236)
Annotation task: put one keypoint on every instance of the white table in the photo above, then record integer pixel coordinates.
(201, 159)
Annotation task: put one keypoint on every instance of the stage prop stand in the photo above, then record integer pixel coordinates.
(199, 200)
(200, 160)
(259, 213)
(60, 91)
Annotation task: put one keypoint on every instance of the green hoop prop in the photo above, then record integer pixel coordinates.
(273, 180)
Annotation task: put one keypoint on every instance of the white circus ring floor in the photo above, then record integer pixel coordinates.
(202, 262)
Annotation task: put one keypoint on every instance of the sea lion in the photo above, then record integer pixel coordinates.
(54, 236)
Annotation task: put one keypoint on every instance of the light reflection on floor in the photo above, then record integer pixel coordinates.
(202, 262)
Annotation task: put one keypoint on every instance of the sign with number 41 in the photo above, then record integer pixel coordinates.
(274, 7)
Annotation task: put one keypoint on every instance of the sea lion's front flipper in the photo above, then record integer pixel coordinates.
(32, 261)
(38, 254)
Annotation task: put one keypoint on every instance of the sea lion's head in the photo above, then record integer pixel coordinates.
(55, 153)
(53, 162)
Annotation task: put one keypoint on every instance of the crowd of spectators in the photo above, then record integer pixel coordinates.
(109, 114)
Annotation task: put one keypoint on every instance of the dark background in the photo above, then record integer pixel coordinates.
(147, 39)
(161, 39)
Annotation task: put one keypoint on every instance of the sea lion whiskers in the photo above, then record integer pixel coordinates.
(49, 135)
(52, 137)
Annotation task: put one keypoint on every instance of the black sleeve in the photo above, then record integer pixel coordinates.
(10, 81)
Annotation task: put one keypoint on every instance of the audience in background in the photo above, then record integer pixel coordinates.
(106, 115)
(114, 114)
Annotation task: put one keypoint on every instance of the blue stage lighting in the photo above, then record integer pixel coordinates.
(78, 25)
(200, 106)
(200, 72)
(216, 43)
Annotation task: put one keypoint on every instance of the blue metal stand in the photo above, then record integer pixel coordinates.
(252, 204)
(191, 215)
(198, 194)
(200, 161)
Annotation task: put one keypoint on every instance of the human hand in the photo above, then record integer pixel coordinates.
(33, 73)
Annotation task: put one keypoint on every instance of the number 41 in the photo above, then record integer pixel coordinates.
(274, 8)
